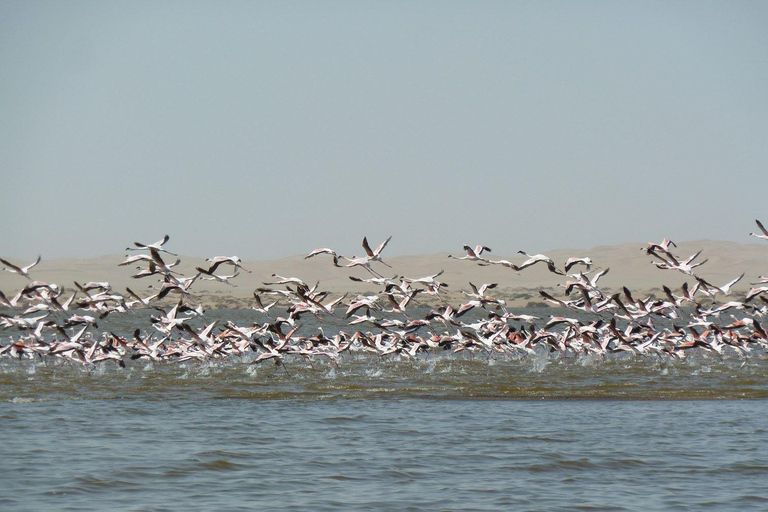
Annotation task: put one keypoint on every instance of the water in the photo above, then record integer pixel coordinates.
(383, 454)
(433, 433)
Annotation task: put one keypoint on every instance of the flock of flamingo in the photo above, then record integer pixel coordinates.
(41, 323)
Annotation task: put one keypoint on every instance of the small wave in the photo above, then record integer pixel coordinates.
(559, 465)
(24, 400)
(220, 465)
(90, 484)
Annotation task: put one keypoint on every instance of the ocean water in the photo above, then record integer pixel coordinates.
(440, 432)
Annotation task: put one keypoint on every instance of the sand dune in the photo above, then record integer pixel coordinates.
(629, 266)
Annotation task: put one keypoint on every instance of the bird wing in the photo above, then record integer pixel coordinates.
(11, 266)
(367, 248)
(26, 269)
(762, 228)
(382, 246)
(691, 258)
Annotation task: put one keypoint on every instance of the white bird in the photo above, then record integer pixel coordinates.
(210, 276)
(479, 293)
(433, 285)
(381, 281)
(102, 286)
(686, 266)
(288, 280)
(652, 247)
(9, 303)
(139, 257)
(363, 301)
(375, 255)
(755, 291)
(260, 307)
(764, 234)
(325, 250)
(23, 271)
(399, 307)
(157, 246)
(505, 263)
(364, 262)
(177, 286)
(322, 250)
(570, 262)
(536, 258)
(232, 260)
(42, 289)
(473, 254)
(711, 290)
(139, 300)
(155, 268)
(428, 280)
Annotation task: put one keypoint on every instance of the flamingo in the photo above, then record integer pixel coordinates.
(686, 266)
(651, 248)
(22, 271)
(325, 250)
(375, 255)
(157, 246)
(433, 285)
(260, 307)
(764, 234)
(570, 262)
(210, 276)
(711, 290)
(232, 260)
(381, 281)
(537, 258)
(473, 254)
(364, 262)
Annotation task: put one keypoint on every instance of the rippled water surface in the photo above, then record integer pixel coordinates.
(439, 432)
(383, 454)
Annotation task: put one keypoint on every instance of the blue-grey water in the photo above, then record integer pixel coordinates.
(440, 432)
(383, 454)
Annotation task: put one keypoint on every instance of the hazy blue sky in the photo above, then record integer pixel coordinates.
(267, 129)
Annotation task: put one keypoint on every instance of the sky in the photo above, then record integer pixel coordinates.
(269, 129)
